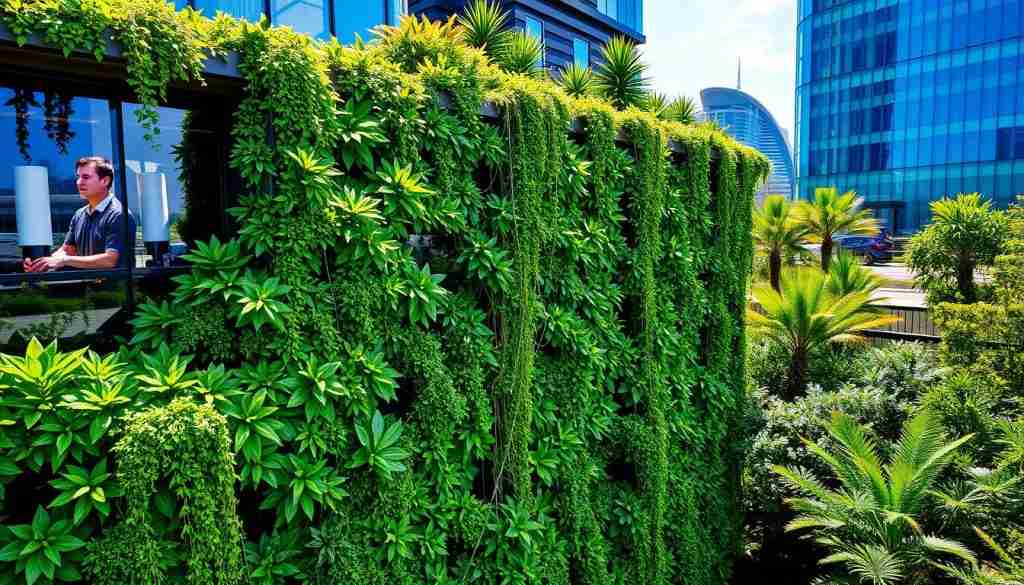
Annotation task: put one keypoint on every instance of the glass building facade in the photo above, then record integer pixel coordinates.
(907, 101)
(318, 18)
(748, 121)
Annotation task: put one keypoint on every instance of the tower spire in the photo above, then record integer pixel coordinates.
(739, 73)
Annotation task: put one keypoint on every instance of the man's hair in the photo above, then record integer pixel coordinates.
(103, 167)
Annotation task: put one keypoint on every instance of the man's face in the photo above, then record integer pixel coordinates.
(90, 185)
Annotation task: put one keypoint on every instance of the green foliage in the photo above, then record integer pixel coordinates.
(872, 526)
(577, 81)
(41, 548)
(832, 213)
(483, 26)
(965, 234)
(805, 316)
(846, 275)
(187, 446)
(620, 77)
(778, 234)
(437, 350)
(521, 53)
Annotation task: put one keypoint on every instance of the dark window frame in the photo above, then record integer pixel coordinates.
(116, 95)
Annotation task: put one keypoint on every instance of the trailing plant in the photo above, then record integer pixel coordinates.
(418, 353)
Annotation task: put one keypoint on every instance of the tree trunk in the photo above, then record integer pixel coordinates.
(965, 279)
(796, 378)
(826, 253)
(775, 269)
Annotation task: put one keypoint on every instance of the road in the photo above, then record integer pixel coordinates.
(899, 289)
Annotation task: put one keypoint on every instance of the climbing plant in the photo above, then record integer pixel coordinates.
(444, 346)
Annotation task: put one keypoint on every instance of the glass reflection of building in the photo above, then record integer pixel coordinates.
(906, 101)
(318, 18)
(748, 121)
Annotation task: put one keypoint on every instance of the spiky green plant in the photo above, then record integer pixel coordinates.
(846, 275)
(683, 110)
(483, 25)
(831, 214)
(521, 53)
(656, 103)
(577, 81)
(778, 234)
(803, 316)
(871, 523)
(620, 76)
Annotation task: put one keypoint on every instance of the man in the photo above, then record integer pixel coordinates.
(95, 238)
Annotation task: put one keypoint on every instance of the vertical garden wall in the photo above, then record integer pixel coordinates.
(443, 348)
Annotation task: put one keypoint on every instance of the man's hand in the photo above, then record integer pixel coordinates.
(44, 264)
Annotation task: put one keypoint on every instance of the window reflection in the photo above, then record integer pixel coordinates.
(160, 175)
(357, 16)
(305, 16)
(82, 312)
(247, 9)
(42, 136)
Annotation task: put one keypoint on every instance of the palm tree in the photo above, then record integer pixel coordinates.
(871, 523)
(577, 81)
(965, 232)
(830, 214)
(483, 26)
(803, 316)
(620, 76)
(778, 234)
(847, 275)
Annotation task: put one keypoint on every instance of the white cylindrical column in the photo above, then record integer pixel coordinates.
(156, 217)
(32, 207)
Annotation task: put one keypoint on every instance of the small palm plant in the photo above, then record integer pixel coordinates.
(577, 81)
(656, 103)
(830, 214)
(803, 316)
(778, 234)
(683, 110)
(871, 522)
(847, 275)
(483, 25)
(620, 76)
(521, 53)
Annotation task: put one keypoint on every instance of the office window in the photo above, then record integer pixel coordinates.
(581, 52)
(353, 17)
(42, 135)
(535, 29)
(305, 16)
(608, 7)
(247, 9)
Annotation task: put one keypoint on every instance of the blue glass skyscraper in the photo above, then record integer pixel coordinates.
(746, 120)
(906, 101)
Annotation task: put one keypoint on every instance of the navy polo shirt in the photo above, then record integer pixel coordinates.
(98, 230)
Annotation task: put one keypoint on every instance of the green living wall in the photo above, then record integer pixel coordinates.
(441, 349)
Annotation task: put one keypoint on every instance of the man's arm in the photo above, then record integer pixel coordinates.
(107, 259)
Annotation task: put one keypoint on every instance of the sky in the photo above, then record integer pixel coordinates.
(693, 44)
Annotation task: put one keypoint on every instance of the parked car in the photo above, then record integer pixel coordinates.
(871, 249)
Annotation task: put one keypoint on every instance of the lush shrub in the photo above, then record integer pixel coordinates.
(965, 234)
